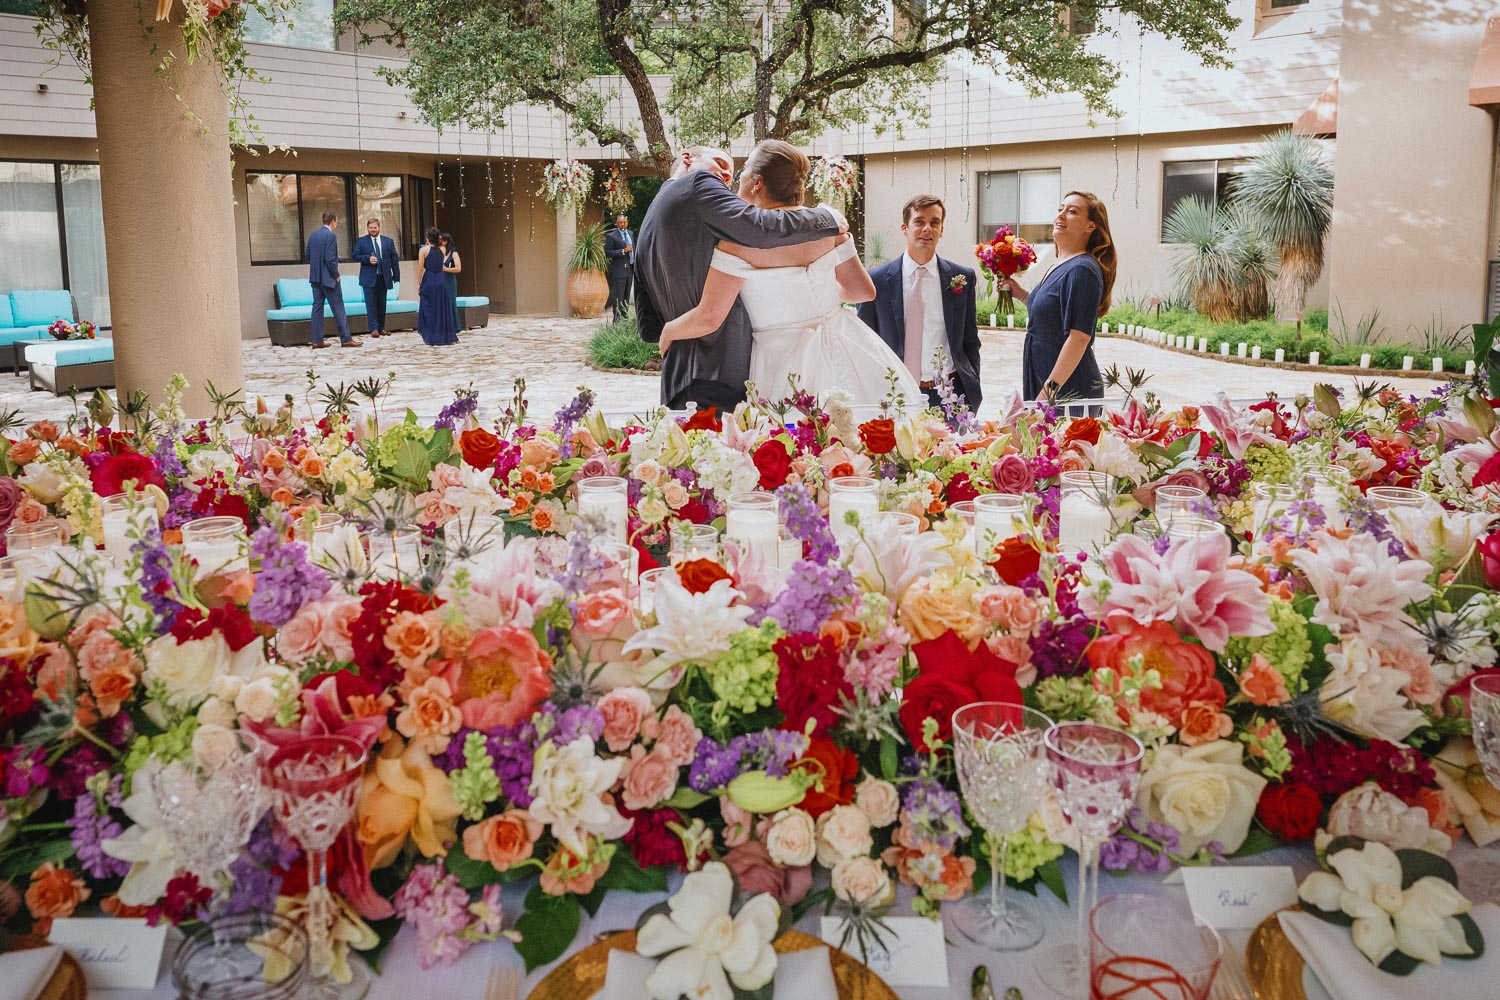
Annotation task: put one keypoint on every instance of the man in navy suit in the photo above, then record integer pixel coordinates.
(379, 272)
(619, 247)
(323, 272)
(924, 308)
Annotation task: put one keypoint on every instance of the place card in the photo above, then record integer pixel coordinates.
(914, 954)
(1238, 897)
(115, 953)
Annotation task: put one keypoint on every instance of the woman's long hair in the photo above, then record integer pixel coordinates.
(448, 239)
(432, 235)
(1101, 244)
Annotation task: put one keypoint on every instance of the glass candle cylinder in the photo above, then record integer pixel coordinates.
(788, 548)
(859, 494)
(15, 572)
(217, 544)
(997, 516)
(1330, 482)
(897, 522)
(1185, 526)
(1084, 517)
(1386, 497)
(620, 565)
(645, 598)
(694, 541)
(607, 497)
(1172, 501)
(126, 521)
(473, 538)
(37, 536)
(396, 555)
(321, 531)
(1271, 501)
(752, 521)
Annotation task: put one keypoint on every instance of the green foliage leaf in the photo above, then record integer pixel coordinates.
(1185, 445)
(1420, 864)
(385, 932)
(19, 865)
(890, 758)
(1486, 356)
(440, 447)
(1478, 410)
(548, 925)
(625, 874)
(1258, 841)
(685, 798)
(412, 463)
(1326, 402)
(471, 874)
(1050, 875)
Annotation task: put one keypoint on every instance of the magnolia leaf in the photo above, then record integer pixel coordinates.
(889, 757)
(1417, 864)
(1326, 402)
(1399, 963)
(1185, 445)
(471, 874)
(1051, 876)
(626, 874)
(685, 798)
(548, 925)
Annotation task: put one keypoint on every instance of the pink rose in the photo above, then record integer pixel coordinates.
(445, 477)
(1422, 687)
(649, 778)
(623, 709)
(597, 465)
(30, 511)
(600, 613)
(737, 822)
(10, 497)
(1013, 608)
(1014, 649)
(678, 736)
(756, 872)
(1012, 474)
(1146, 494)
(102, 653)
(337, 620)
(1071, 461)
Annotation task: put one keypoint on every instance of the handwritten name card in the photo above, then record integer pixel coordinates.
(1230, 898)
(115, 953)
(914, 954)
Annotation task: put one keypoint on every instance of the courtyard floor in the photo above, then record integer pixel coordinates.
(549, 354)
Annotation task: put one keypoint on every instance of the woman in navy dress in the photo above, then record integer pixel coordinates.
(434, 310)
(452, 265)
(1063, 310)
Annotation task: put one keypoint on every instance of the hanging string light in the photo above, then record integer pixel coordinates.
(489, 173)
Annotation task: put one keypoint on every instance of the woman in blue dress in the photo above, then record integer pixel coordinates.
(1063, 310)
(434, 309)
(452, 265)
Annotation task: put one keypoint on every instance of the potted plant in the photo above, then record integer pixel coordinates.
(588, 286)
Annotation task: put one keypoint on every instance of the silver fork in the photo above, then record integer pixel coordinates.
(504, 984)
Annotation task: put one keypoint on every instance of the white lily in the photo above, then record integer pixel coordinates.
(1442, 537)
(689, 627)
(152, 859)
(705, 947)
(1420, 921)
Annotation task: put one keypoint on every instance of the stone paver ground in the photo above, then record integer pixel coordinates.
(549, 353)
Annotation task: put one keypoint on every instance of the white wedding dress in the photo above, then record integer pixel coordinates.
(800, 328)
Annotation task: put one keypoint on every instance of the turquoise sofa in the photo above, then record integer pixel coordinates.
(71, 364)
(25, 315)
(290, 323)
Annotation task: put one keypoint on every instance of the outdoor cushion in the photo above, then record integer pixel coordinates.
(472, 301)
(9, 335)
(392, 306)
(7, 319)
(75, 352)
(31, 308)
(292, 292)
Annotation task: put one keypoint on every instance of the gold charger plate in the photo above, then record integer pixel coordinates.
(582, 976)
(1273, 964)
(67, 983)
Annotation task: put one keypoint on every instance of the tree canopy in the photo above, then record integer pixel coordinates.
(785, 69)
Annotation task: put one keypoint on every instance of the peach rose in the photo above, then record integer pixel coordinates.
(542, 519)
(111, 688)
(566, 872)
(930, 608)
(1262, 684)
(338, 619)
(102, 653)
(54, 892)
(539, 451)
(300, 639)
(429, 717)
(624, 709)
(649, 778)
(879, 801)
(1012, 607)
(792, 838)
(29, 511)
(404, 797)
(503, 840)
(312, 466)
(1071, 461)
(17, 640)
(737, 822)
(22, 452)
(599, 613)
(862, 880)
(1014, 649)
(1202, 722)
(677, 735)
(412, 638)
(843, 833)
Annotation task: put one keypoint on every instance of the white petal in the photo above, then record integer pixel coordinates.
(1418, 942)
(1451, 939)
(1438, 895)
(1375, 937)
(661, 935)
(1358, 906)
(705, 894)
(759, 973)
(679, 974)
(1321, 889)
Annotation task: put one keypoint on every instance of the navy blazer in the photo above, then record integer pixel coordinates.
(388, 268)
(323, 258)
(615, 242)
(886, 315)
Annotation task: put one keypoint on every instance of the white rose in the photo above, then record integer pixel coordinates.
(879, 801)
(186, 670)
(862, 881)
(203, 464)
(227, 688)
(1205, 793)
(792, 839)
(42, 482)
(1373, 813)
(843, 833)
(217, 712)
(258, 700)
(214, 745)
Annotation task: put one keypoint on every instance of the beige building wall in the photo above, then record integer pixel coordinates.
(1415, 167)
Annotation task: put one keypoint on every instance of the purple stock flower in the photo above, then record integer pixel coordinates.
(934, 812)
(156, 569)
(583, 721)
(714, 766)
(91, 823)
(805, 521)
(566, 418)
(25, 771)
(811, 594)
(1057, 648)
(772, 750)
(465, 402)
(286, 580)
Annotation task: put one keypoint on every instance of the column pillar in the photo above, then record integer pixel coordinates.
(165, 182)
(567, 234)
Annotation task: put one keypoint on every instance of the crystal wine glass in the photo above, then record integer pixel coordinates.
(314, 784)
(1484, 714)
(1003, 771)
(1095, 770)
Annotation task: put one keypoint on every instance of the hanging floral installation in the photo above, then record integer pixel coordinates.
(617, 196)
(833, 180)
(566, 182)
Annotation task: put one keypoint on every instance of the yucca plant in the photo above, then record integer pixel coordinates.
(1222, 263)
(1254, 256)
(1289, 187)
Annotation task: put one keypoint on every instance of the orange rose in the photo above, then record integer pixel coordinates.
(503, 840)
(1202, 722)
(520, 502)
(1082, 429)
(283, 496)
(566, 872)
(412, 638)
(479, 447)
(24, 451)
(312, 465)
(54, 892)
(539, 452)
(1262, 684)
(430, 717)
(878, 436)
(273, 460)
(542, 519)
(699, 575)
(44, 430)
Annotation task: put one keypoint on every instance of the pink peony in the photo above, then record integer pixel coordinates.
(502, 676)
(1362, 588)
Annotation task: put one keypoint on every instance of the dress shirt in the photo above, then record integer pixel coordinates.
(934, 329)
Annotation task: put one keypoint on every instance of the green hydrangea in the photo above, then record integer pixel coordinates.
(1269, 463)
(1288, 649)
(1029, 850)
(475, 785)
(1066, 699)
(391, 441)
(174, 744)
(744, 677)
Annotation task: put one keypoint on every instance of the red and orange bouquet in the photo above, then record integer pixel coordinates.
(1005, 256)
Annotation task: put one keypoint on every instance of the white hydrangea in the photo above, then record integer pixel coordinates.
(722, 469)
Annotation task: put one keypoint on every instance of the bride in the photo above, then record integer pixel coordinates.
(793, 296)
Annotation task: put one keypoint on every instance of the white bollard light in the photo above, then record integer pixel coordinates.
(1244, 349)
(994, 319)
(1010, 320)
(1224, 348)
(1255, 352)
(1104, 327)
(1202, 343)
(1437, 364)
(1280, 355)
(1407, 362)
(1313, 358)
(1469, 367)
(1364, 361)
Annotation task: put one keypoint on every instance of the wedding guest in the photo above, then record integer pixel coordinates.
(1063, 310)
(323, 273)
(452, 265)
(379, 272)
(435, 319)
(619, 247)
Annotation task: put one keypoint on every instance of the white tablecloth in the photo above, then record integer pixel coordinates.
(465, 979)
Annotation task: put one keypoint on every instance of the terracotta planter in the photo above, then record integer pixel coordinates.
(587, 293)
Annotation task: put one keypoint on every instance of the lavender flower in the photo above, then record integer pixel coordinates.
(156, 576)
(714, 766)
(771, 750)
(955, 411)
(805, 521)
(90, 823)
(580, 721)
(568, 417)
(811, 594)
(935, 813)
(465, 402)
(286, 580)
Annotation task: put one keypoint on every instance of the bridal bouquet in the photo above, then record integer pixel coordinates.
(833, 180)
(1005, 256)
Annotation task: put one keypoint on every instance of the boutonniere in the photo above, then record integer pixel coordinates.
(957, 284)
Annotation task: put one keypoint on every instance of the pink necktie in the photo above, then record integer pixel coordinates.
(916, 322)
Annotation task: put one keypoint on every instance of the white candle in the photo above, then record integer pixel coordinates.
(219, 555)
(1083, 525)
(1314, 357)
(1469, 367)
(788, 551)
(1224, 348)
(994, 319)
(840, 502)
(991, 527)
(117, 540)
(1280, 355)
(1364, 361)
(1255, 352)
(1244, 348)
(1437, 364)
(1104, 327)
(613, 507)
(1010, 320)
(1407, 362)
(1202, 344)
(756, 529)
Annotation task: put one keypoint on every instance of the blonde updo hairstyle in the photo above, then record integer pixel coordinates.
(782, 168)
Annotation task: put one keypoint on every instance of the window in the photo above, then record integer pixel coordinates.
(26, 8)
(1024, 200)
(284, 210)
(52, 233)
(419, 213)
(1208, 180)
(308, 26)
(1286, 4)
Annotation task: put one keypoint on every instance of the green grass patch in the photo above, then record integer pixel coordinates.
(617, 344)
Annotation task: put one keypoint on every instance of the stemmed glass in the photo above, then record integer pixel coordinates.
(1484, 714)
(1003, 771)
(1095, 770)
(314, 783)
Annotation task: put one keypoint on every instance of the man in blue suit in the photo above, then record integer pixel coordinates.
(323, 272)
(619, 247)
(924, 308)
(379, 272)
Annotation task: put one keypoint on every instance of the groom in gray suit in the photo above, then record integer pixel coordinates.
(689, 215)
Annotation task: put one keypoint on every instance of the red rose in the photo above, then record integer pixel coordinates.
(1290, 811)
(949, 677)
(878, 436)
(480, 448)
(1489, 552)
(774, 463)
(1016, 558)
(1489, 472)
(960, 489)
(703, 420)
(698, 575)
(112, 474)
(837, 767)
